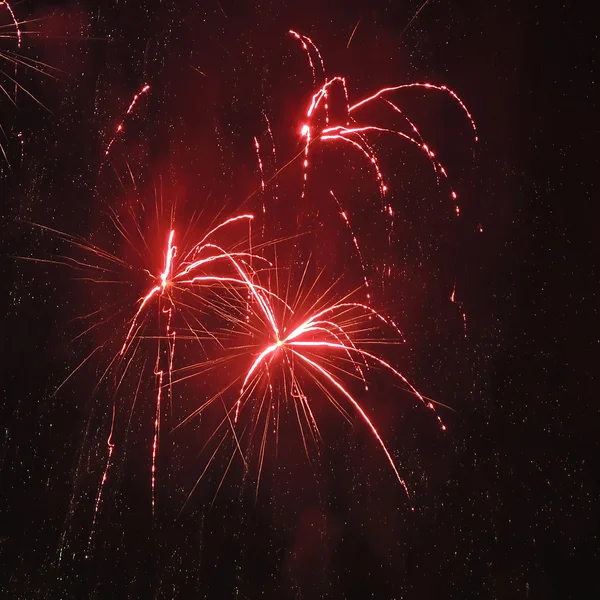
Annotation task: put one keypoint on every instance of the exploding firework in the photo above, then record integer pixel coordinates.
(349, 130)
(181, 292)
(174, 287)
(331, 116)
(299, 353)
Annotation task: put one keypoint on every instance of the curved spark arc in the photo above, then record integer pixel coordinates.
(429, 86)
(14, 20)
(360, 410)
(121, 126)
(346, 219)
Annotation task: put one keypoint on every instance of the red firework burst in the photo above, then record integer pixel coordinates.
(354, 133)
(297, 352)
(290, 349)
(197, 274)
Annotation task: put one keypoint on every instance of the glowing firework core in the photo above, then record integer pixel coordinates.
(170, 254)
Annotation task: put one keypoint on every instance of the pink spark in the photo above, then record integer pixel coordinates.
(121, 125)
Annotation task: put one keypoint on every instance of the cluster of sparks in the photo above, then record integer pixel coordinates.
(292, 349)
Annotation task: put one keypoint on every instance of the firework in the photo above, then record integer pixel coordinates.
(174, 305)
(355, 134)
(296, 353)
(291, 350)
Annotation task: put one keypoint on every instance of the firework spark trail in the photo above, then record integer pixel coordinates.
(340, 133)
(460, 308)
(170, 254)
(429, 86)
(262, 183)
(120, 127)
(352, 34)
(274, 153)
(19, 39)
(270, 132)
(14, 20)
(423, 145)
(16, 24)
(111, 447)
(344, 216)
(321, 94)
(159, 374)
(419, 137)
(414, 17)
(306, 130)
(318, 52)
(303, 39)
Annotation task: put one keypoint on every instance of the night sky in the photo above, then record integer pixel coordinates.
(506, 500)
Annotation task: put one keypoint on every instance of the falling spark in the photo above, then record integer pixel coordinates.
(414, 17)
(352, 34)
(460, 308)
(262, 181)
(111, 447)
(344, 216)
(121, 126)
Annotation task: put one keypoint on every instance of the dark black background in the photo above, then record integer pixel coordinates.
(506, 500)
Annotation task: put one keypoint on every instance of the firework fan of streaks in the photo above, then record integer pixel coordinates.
(300, 351)
(160, 298)
(318, 124)
(12, 60)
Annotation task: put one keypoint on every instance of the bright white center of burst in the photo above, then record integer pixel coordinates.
(279, 343)
(304, 131)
